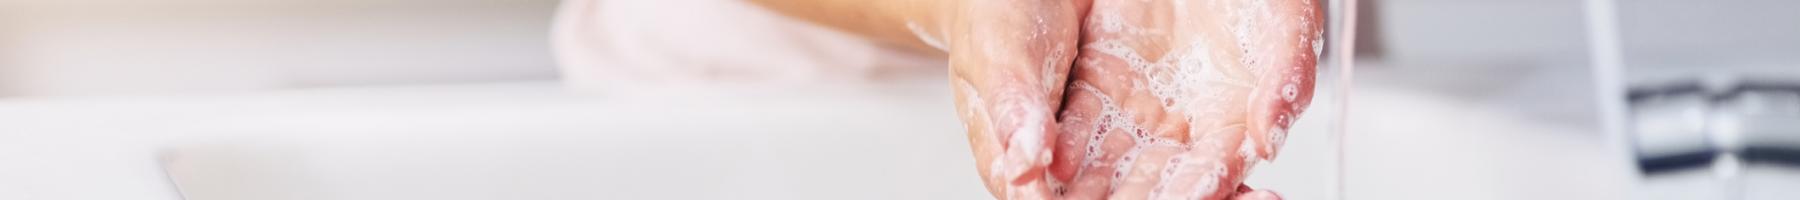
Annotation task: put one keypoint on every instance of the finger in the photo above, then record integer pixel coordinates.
(1098, 138)
(1013, 137)
(1286, 87)
(1008, 126)
(1010, 64)
(1081, 132)
(986, 146)
(1007, 169)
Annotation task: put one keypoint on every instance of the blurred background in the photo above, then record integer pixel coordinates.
(114, 47)
(463, 99)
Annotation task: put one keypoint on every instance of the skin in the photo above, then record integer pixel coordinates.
(1055, 109)
(1204, 106)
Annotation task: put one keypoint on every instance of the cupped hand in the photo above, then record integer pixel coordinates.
(1174, 99)
(1166, 99)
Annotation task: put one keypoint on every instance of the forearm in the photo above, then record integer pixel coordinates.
(919, 24)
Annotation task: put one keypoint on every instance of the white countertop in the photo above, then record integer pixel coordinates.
(530, 140)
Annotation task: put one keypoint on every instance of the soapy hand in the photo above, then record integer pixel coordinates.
(1009, 64)
(1165, 99)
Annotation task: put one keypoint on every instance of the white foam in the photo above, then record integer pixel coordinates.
(1123, 167)
(1111, 118)
(1289, 92)
(1210, 183)
(1030, 134)
(974, 103)
(1277, 137)
(1111, 22)
(1193, 74)
(1248, 149)
(1052, 65)
(1170, 170)
(1242, 28)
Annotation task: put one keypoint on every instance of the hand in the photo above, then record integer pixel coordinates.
(1009, 65)
(1174, 99)
(1170, 99)
(1157, 108)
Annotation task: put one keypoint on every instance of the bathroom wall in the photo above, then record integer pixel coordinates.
(110, 47)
